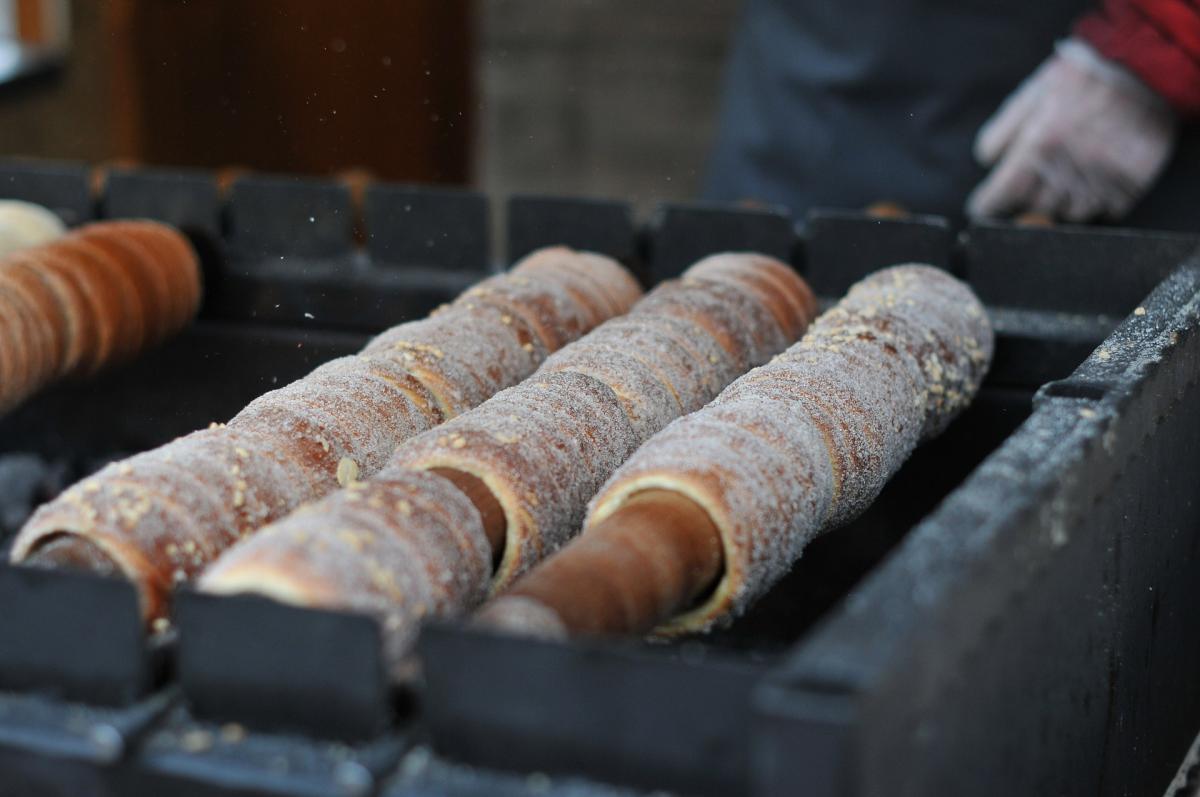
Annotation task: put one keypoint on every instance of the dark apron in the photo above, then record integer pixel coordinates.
(841, 104)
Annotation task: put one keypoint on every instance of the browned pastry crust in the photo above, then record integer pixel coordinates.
(323, 423)
(725, 313)
(601, 275)
(659, 553)
(164, 515)
(645, 393)
(169, 246)
(536, 452)
(542, 448)
(52, 322)
(157, 270)
(462, 358)
(74, 318)
(94, 308)
(145, 282)
(104, 272)
(546, 307)
(886, 209)
(560, 265)
(17, 339)
(31, 340)
(98, 294)
(399, 549)
(519, 615)
(806, 442)
(774, 284)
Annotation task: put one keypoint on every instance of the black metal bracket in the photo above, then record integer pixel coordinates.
(267, 665)
(187, 199)
(426, 227)
(620, 712)
(51, 747)
(354, 296)
(72, 635)
(801, 740)
(682, 233)
(843, 246)
(62, 186)
(274, 217)
(1081, 270)
(186, 755)
(597, 225)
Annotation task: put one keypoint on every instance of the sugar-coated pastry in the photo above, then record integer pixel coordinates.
(291, 446)
(542, 448)
(806, 442)
(538, 450)
(399, 549)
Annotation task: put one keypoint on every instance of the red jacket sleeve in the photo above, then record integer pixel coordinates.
(1157, 40)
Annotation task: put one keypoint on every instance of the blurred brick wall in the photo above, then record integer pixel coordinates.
(613, 98)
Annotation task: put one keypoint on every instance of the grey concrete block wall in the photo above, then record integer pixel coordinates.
(614, 98)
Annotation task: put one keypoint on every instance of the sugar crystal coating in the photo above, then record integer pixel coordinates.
(773, 283)
(541, 448)
(398, 549)
(289, 446)
(807, 441)
(605, 276)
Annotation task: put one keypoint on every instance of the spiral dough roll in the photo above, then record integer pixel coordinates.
(807, 441)
(338, 425)
(544, 447)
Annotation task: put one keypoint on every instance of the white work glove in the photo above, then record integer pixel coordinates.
(1080, 139)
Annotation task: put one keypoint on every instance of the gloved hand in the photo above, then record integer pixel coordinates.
(1080, 139)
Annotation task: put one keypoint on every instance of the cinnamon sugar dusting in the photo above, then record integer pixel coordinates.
(806, 442)
(543, 447)
(330, 429)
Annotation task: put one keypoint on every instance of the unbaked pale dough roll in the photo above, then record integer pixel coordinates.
(807, 442)
(24, 224)
(398, 549)
(296, 444)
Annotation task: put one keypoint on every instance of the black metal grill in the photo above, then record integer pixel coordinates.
(1013, 616)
